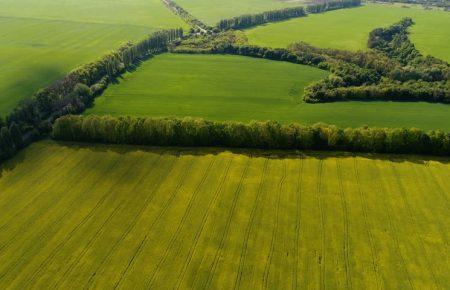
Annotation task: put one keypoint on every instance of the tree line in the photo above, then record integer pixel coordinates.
(77, 90)
(250, 20)
(332, 5)
(185, 15)
(263, 135)
(384, 91)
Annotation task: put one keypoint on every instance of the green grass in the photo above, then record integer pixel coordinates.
(349, 29)
(42, 40)
(74, 216)
(212, 11)
(238, 88)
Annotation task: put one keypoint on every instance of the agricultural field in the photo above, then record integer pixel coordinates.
(40, 41)
(101, 216)
(349, 29)
(212, 11)
(114, 216)
(239, 88)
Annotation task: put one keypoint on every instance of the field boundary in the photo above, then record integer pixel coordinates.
(260, 135)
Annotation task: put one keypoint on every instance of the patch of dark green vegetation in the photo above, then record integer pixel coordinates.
(394, 70)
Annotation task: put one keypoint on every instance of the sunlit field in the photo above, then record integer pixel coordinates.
(76, 216)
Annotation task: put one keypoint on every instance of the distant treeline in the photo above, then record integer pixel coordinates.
(264, 135)
(73, 93)
(185, 15)
(250, 20)
(388, 91)
(332, 5)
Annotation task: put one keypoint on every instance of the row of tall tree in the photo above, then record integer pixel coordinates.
(264, 135)
(180, 11)
(73, 93)
(249, 20)
(412, 91)
(332, 5)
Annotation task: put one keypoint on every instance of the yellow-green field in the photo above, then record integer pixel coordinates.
(75, 216)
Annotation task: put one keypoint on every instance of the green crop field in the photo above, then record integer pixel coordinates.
(42, 40)
(238, 88)
(349, 29)
(75, 216)
(212, 11)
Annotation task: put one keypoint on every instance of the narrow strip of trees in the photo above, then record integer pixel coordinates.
(185, 15)
(249, 20)
(332, 5)
(388, 91)
(264, 135)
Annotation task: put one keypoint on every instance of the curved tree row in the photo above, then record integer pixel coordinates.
(249, 20)
(332, 5)
(400, 72)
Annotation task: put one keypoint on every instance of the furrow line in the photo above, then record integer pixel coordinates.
(180, 227)
(436, 182)
(35, 198)
(42, 158)
(145, 239)
(373, 250)
(414, 221)
(70, 234)
(97, 233)
(298, 224)
(250, 226)
(193, 247)
(135, 219)
(346, 225)
(322, 257)
(41, 234)
(275, 231)
(218, 253)
(392, 228)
